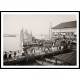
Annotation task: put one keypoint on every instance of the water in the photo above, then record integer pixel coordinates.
(11, 43)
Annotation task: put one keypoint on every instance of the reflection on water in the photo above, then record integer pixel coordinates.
(11, 43)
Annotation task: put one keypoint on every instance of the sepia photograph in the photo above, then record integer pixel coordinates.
(39, 40)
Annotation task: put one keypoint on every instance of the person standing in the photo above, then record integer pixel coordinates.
(10, 56)
(14, 54)
(5, 55)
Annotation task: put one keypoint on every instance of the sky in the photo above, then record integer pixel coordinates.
(36, 23)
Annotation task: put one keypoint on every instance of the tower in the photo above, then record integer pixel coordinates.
(50, 31)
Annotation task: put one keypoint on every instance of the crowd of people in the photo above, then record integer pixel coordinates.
(58, 44)
(10, 54)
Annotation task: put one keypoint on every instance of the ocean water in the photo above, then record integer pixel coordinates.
(11, 43)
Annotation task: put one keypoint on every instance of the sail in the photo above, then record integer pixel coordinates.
(21, 39)
(27, 38)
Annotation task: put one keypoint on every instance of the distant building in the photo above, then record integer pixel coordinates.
(9, 35)
(67, 28)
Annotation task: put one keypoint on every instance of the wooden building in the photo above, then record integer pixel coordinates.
(67, 28)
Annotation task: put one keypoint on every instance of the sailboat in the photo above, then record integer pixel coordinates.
(21, 40)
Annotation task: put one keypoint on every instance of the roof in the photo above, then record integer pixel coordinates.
(70, 24)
